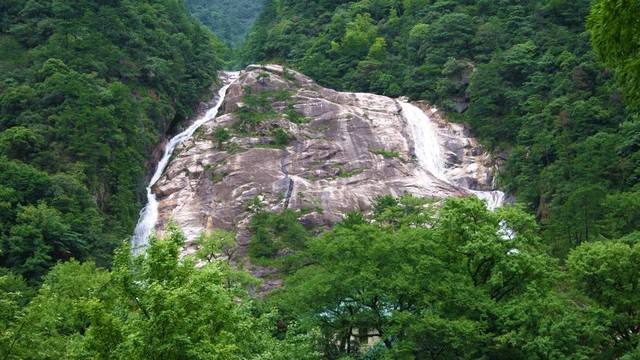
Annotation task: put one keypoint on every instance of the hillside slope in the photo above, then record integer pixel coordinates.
(87, 90)
(520, 73)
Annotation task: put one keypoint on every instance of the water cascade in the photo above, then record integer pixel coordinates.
(430, 154)
(425, 138)
(149, 215)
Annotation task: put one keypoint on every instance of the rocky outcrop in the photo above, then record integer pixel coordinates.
(466, 162)
(345, 150)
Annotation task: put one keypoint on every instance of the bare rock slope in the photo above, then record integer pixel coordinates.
(297, 145)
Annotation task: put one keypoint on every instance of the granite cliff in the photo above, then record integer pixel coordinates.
(290, 143)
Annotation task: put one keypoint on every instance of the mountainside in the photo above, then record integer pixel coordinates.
(87, 90)
(522, 74)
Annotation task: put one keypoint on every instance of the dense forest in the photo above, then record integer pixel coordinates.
(521, 73)
(452, 283)
(230, 20)
(89, 87)
(429, 282)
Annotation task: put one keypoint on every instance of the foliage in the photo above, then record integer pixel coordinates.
(261, 105)
(411, 280)
(221, 135)
(613, 28)
(273, 232)
(456, 284)
(387, 154)
(294, 116)
(281, 137)
(86, 90)
(216, 244)
(151, 307)
(255, 109)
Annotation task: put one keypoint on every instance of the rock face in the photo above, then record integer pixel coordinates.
(347, 150)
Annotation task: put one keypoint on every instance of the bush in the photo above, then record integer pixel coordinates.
(281, 137)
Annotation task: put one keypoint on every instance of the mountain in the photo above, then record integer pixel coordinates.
(300, 146)
(415, 179)
(269, 184)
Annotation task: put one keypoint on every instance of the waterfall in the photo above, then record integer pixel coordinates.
(425, 138)
(149, 214)
(430, 154)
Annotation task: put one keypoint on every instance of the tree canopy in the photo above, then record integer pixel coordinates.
(150, 307)
(87, 89)
(416, 280)
(614, 28)
(411, 280)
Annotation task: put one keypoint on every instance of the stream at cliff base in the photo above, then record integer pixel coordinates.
(149, 214)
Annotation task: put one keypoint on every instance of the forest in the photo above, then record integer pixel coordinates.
(429, 282)
(89, 88)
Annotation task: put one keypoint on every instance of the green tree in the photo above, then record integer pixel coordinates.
(522, 74)
(229, 20)
(20, 143)
(276, 231)
(149, 307)
(39, 238)
(607, 273)
(613, 28)
(420, 284)
(86, 90)
(217, 244)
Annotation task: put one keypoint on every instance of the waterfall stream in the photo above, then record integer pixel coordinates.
(430, 153)
(149, 214)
